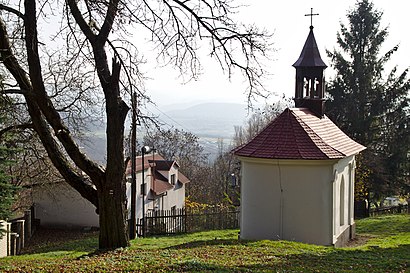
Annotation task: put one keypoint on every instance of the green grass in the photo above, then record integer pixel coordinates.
(387, 249)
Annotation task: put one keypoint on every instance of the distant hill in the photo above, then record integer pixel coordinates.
(215, 120)
(208, 121)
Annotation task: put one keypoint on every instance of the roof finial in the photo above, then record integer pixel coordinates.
(311, 16)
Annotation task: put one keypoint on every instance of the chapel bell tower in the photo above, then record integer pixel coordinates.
(310, 80)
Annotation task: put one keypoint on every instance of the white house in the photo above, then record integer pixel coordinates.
(58, 204)
(298, 173)
(165, 185)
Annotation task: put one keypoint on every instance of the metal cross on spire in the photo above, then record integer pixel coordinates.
(311, 14)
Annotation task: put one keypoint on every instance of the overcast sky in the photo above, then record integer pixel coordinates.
(290, 27)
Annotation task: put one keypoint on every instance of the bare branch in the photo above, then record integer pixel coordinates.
(15, 127)
(39, 124)
(85, 28)
(14, 11)
(14, 91)
(109, 20)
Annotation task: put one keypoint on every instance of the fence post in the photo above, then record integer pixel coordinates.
(13, 243)
(184, 219)
(17, 226)
(27, 225)
(8, 228)
(408, 205)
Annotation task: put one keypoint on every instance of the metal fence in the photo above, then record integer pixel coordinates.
(390, 210)
(165, 222)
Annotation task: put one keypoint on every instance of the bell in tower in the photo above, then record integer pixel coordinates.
(310, 81)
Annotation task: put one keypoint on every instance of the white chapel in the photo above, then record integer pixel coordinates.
(298, 173)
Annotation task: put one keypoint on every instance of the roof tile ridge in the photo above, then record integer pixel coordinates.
(300, 123)
(322, 140)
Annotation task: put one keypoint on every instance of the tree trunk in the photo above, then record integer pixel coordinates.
(113, 231)
(112, 191)
(110, 188)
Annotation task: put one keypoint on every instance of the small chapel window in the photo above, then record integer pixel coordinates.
(342, 201)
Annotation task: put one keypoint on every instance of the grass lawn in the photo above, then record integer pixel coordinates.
(383, 246)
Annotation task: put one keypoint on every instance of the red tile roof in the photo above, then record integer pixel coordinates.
(159, 186)
(147, 159)
(161, 166)
(299, 134)
(183, 179)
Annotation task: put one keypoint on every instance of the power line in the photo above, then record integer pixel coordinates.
(165, 114)
(205, 143)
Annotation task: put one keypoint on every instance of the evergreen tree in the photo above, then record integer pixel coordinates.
(370, 106)
(7, 190)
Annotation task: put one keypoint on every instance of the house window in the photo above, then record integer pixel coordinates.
(172, 179)
(173, 210)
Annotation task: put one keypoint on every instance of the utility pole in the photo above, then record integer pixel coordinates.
(133, 223)
(144, 150)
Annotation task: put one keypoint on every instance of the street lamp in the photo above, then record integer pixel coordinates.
(233, 180)
(144, 150)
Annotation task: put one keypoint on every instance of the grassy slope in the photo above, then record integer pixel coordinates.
(387, 250)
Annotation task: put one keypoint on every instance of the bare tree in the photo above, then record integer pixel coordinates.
(184, 147)
(52, 74)
(259, 120)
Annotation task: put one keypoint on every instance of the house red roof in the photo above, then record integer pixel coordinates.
(160, 168)
(163, 165)
(183, 179)
(160, 186)
(298, 133)
(147, 164)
